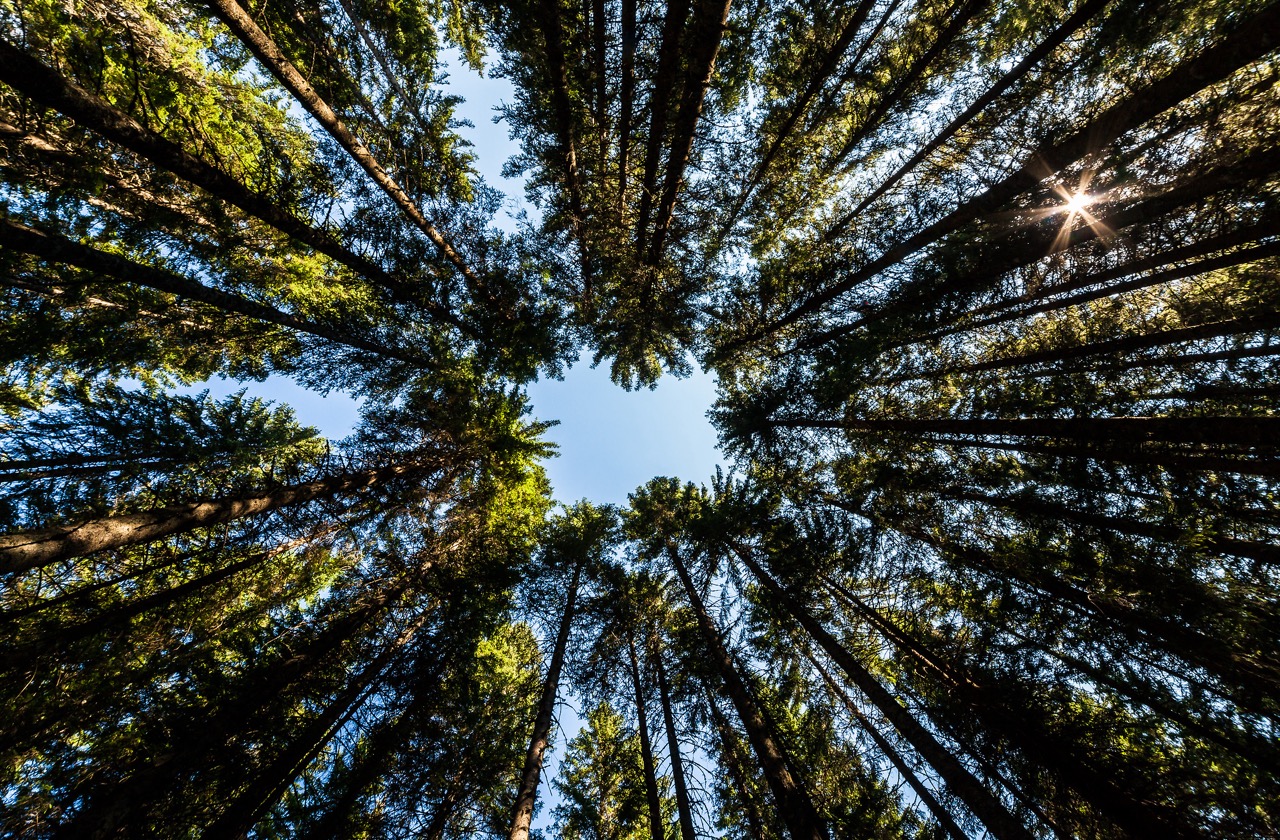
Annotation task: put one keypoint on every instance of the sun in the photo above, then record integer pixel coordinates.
(1077, 203)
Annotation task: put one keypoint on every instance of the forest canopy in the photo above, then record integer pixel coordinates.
(989, 288)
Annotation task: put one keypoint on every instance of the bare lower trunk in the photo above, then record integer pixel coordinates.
(32, 549)
(673, 749)
(656, 828)
(522, 813)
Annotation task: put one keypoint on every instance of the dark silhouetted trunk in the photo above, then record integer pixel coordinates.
(522, 813)
(673, 749)
(792, 801)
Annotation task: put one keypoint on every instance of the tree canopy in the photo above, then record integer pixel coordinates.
(990, 290)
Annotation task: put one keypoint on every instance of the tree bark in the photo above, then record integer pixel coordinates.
(28, 550)
(792, 801)
(673, 748)
(985, 806)
(522, 813)
(55, 248)
(733, 761)
(45, 86)
(657, 830)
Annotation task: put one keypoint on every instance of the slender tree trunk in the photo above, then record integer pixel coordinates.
(673, 748)
(733, 762)
(1233, 432)
(1250, 41)
(1085, 12)
(628, 26)
(663, 83)
(1025, 506)
(1241, 256)
(798, 107)
(792, 801)
(522, 814)
(28, 550)
(269, 784)
(278, 64)
(657, 830)
(709, 20)
(55, 248)
(45, 86)
(922, 792)
(558, 80)
(956, 22)
(984, 805)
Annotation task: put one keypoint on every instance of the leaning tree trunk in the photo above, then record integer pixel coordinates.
(274, 60)
(45, 86)
(673, 747)
(1250, 41)
(981, 801)
(28, 550)
(733, 761)
(55, 248)
(792, 801)
(656, 827)
(522, 814)
(922, 792)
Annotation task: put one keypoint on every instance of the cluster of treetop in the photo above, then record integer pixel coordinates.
(991, 291)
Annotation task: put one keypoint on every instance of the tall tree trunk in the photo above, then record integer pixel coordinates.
(269, 784)
(922, 792)
(709, 20)
(664, 81)
(28, 550)
(625, 123)
(957, 20)
(45, 86)
(1250, 41)
(733, 762)
(55, 248)
(278, 64)
(522, 814)
(1086, 11)
(657, 830)
(673, 749)
(791, 799)
(985, 806)
(558, 80)
(798, 107)
(1233, 432)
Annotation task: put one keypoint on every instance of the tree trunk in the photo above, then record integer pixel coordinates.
(984, 805)
(278, 64)
(733, 762)
(558, 80)
(922, 792)
(1230, 432)
(628, 26)
(657, 830)
(823, 72)
(522, 814)
(47, 87)
(28, 550)
(1247, 43)
(673, 748)
(663, 83)
(792, 801)
(55, 248)
(1085, 12)
(709, 19)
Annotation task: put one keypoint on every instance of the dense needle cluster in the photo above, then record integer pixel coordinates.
(991, 291)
